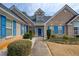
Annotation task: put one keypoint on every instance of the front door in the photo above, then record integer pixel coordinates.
(39, 32)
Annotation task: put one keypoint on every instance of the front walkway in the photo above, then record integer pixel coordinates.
(40, 48)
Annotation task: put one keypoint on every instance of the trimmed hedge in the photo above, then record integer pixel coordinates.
(26, 36)
(19, 48)
(77, 36)
(53, 36)
(30, 33)
(48, 34)
(65, 37)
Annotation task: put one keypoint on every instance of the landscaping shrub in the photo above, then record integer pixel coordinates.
(19, 48)
(48, 34)
(77, 36)
(53, 36)
(65, 37)
(26, 36)
(71, 40)
(30, 33)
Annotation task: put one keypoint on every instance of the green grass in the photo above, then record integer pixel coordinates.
(64, 41)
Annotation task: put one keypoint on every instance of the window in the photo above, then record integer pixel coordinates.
(76, 30)
(8, 28)
(59, 29)
(22, 29)
(25, 28)
(52, 30)
(8, 32)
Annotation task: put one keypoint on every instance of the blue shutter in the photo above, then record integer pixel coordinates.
(48, 27)
(0, 32)
(0, 28)
(3, 26)
(62, 29)
(56, 29)
(14, 28)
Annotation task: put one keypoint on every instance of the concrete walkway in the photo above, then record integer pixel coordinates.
(40, 48)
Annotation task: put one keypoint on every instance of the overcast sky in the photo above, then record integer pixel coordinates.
(48, 8)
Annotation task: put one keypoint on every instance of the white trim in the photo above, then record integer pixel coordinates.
(66, 6)
(8, 13)
(15, 18)
(73, 19)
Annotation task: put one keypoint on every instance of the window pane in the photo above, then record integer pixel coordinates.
(60, 29)
(22, 29)
(52, 30)
(8, 32)
(76, 30)
(8, 23)
(8, 28)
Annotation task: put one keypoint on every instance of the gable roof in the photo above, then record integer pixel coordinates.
(20, 12)
(39, 10)
(72, 19)
(67, 7)
(7, 10)
(45, 18)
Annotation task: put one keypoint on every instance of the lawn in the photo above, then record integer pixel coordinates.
(58, 49)
(71, 41)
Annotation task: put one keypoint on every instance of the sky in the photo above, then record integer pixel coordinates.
(49, 8)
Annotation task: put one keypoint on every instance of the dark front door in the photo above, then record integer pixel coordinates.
(39, 32)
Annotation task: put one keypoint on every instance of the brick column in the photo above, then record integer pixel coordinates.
(45, 31)
(70, 30)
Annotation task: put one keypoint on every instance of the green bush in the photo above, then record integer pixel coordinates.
(26, 36)
(30, 33)
(19, 48)
(77, 36)
(65, 37)
(48, 33)
(53, 36)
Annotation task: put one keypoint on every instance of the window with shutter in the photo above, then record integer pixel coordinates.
(3, 26)
(8, 27)
(56, 29)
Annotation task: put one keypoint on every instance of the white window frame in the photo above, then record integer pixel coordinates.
(52, 30)
(9, 26)
(59, 29)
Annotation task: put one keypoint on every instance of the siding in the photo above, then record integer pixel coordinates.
(61, 18)
(18, 29)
